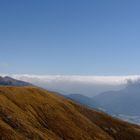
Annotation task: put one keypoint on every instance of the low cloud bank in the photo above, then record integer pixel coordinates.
(86, 85)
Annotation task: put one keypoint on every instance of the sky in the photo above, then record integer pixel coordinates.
(70, 37)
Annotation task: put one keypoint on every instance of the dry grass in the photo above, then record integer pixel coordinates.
(33, 113)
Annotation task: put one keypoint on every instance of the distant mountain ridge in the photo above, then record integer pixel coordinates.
(8, 81)
(124, 103)
(84, 100)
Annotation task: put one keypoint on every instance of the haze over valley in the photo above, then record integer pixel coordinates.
(77, 84)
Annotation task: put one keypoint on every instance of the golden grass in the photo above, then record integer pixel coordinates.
(33, 113)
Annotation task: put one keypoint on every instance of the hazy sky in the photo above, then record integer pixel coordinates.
(81, 37)
(77, 84)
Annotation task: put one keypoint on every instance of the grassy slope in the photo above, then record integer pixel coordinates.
(32, 113)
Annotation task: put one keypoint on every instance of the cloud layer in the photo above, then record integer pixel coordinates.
(87, 85)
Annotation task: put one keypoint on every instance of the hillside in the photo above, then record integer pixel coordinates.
(33, 113)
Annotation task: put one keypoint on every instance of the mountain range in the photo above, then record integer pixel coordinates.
(124, 103)
(82, 99)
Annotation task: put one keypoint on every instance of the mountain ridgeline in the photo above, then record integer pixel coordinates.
(8, 81)
(84, 100)
(125, 101)
(123, 104)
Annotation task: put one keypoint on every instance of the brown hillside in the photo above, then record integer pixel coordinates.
(31, 113)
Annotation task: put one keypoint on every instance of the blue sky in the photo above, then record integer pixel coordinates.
(70, 37)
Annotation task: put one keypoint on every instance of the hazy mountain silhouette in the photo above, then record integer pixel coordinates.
(84, 100)
(8, 81)
(125, 101)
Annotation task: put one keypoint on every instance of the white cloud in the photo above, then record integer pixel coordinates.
(87, 85)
